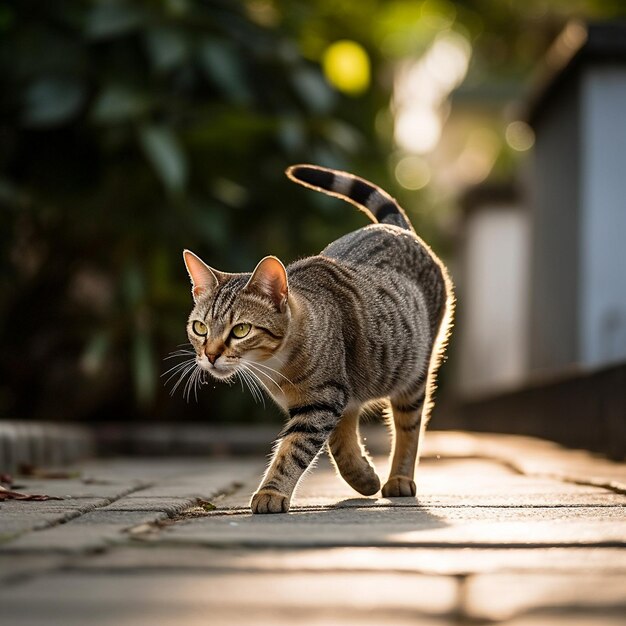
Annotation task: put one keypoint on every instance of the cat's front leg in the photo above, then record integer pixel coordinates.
(300, 442)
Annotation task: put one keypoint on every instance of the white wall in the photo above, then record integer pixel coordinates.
(603, 216)
(493, 311)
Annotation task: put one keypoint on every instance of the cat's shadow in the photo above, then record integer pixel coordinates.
(412, 510)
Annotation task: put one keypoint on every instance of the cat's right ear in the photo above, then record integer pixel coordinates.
(203, 278)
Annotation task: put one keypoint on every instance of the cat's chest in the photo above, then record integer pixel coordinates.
(276, 382)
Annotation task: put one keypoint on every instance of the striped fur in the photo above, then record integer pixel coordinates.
(377, 204)
(366, 319)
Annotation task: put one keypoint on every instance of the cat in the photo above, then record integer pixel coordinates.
(366, 319)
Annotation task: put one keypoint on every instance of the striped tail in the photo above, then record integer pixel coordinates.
(377, 204)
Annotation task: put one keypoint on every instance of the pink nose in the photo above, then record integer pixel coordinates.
(213, 357)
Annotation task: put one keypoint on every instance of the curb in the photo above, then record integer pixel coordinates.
(184, 439)
(42, 443)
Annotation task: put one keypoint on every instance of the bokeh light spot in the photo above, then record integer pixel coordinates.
(417, 129)
(347, 67)
(519, 136)
(413, 172)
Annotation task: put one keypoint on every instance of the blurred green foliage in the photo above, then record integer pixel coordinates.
(130, 130)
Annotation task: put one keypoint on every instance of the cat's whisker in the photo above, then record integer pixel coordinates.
(252, 387)
(181, 371)
(259, 382)
(196, 382)
(242, 380)
(238, 376)
(246, 379)
(253, 384)
(257, 390)
(178, 353)
(189, 384)
(271, 369)
(178, 366)
(182, 377)
(261, 372)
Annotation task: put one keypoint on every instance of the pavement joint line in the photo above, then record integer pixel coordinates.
(236, 511)
(225, 569)
(149, 530)
(610, 486)
(384, 507)
(518, 468)
(479, 545)
(70, 516)
(62, 566)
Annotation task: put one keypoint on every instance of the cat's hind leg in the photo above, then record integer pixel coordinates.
(408, 425)
(350, 457)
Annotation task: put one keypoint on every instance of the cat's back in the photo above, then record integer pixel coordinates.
(388, 260)
(387, 248)
(361, 264)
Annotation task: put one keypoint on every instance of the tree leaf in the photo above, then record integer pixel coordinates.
(111, 19)
(118, 103)
(223, 67)
(313, 90)
(167, 48)
(50, 101)
(163, 150)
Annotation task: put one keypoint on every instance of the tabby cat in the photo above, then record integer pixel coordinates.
(366, 319)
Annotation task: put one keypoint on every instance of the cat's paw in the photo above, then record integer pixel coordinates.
(366, 485)
(399, 487)
(267, 501)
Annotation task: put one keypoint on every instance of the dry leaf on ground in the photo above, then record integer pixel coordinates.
(6, 494)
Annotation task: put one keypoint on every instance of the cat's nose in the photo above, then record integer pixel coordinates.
(213, 357)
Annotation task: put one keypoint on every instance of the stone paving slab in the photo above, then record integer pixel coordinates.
(91, 597)
(76, 489)
(529, 456)
(152, 489)
(410, 526)
(234, 616)
(17, 518)
(93, 531)
(14, 568)
(448, 561)
(443, 482)
(505, 530)
(170, 505)
(499, 597)
(567, 619)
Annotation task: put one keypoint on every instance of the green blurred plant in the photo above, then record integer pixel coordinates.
(131, 130)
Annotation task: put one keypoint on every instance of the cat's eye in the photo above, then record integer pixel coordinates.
(200, 328)
(240, 330)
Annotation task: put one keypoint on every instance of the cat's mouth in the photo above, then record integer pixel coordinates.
(220, 371)
(222, 374)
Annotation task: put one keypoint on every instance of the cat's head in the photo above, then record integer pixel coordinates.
(237, 319)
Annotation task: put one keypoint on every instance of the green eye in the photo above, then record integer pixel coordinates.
(240, 330)
(200, 328)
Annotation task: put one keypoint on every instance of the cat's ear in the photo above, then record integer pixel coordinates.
(203, 278)
(270, 278)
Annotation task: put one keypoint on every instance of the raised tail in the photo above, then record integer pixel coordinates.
(377, 204)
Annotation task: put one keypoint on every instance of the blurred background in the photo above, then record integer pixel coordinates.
(130, 130)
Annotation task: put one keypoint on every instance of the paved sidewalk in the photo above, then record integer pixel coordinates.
(505, 530)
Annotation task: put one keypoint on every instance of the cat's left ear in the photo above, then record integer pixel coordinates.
(203, 278)
(270, 278)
